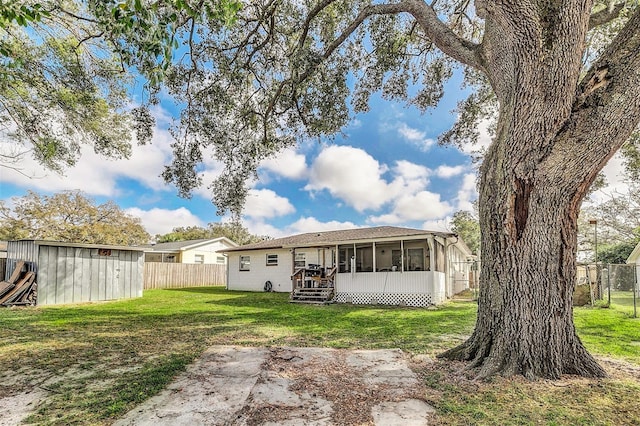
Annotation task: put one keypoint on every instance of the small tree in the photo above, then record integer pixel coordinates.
(468, 227)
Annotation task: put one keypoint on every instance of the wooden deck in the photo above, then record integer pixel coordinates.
(314, 285)
(312, 295)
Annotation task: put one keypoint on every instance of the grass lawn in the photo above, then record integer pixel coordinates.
(99, 360)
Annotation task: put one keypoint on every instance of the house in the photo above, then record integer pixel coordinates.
(78, 272)
(204, 251)
(380, 265)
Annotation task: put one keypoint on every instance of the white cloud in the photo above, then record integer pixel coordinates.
(311, 224)
(467, 192)
(162, 221)
(410, 178)
(352, 175)
(265, 203)
(614, 174)
(422, 206)
(484, 140)
(415, 137)
(287, 163)
(301, 226)
(442, 225)
(96, 175)
(445, 171)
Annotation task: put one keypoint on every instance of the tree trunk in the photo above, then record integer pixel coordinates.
(525, 313)
(555, 133)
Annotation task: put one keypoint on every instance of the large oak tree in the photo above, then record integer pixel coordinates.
(560, 78)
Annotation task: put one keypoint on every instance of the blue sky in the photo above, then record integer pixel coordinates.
(387, 169)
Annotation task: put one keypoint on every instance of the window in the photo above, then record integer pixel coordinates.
(220, 260)
(199, 258)
(272, 260)
(301, 260)
(245, 263)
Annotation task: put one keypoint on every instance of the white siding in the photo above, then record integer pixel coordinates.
(392, 287)
(387, 282)
(259, 272)
(208, 251)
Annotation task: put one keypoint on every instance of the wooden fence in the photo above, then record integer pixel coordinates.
(178, 275)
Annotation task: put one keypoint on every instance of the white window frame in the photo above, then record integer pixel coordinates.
(221, 260)
(272, 259)
(245, 263)
(300, 260)
(198, 259)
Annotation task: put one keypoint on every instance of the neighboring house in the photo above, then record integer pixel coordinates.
(634, 259)
(385, 265)
(78, 272)
(206, 251)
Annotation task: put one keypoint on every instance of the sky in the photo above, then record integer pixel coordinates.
(385, 169)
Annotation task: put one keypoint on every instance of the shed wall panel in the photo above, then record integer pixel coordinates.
(139, 275)
(94, 279)
(45, 292)
(102, 275)
(85, 262)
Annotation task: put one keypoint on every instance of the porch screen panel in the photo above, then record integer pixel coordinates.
(415, 259)
(345, 253)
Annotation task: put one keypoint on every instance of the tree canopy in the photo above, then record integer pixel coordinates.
(67, 73)
(467, 226)
(69, 216)
(232, 230)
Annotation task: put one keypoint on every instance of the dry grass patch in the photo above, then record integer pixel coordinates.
(461, 400)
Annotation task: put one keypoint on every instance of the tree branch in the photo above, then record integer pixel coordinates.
(442, 36)
(605, 15)
(609, 93)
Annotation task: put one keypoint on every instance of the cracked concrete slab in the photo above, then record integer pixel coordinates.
(232, 385)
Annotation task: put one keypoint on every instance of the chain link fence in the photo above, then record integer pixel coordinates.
(613, 284)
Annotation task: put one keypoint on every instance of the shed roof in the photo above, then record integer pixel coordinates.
(83, 245)
(312, 239)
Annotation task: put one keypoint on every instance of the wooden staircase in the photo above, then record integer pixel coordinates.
(320, 295)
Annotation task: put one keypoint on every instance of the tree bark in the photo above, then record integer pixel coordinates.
(555, 133)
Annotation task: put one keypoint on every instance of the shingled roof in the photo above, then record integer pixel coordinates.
(322, 238)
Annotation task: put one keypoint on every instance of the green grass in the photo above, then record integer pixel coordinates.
(99, 360)
(623, 301)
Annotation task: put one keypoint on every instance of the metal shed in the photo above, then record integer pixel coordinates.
(76, 272)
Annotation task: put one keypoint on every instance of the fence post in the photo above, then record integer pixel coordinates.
(608, 284)
(635, 289)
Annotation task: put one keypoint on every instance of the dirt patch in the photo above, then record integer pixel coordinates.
(14, 408)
